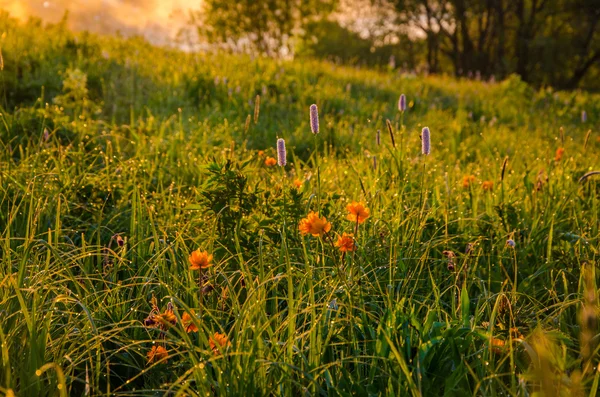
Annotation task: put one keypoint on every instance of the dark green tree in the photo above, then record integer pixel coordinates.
(269, 26)
(554, 42)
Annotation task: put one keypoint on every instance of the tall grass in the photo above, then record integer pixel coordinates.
(152, 145)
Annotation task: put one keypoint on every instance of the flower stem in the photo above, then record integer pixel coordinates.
(316, 160)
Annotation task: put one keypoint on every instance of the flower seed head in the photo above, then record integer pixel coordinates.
(402, 103)
(388, 123)
(425, 141)
(281, 154)
(256, 108)
(333, 305)
(314, 119)
(469, 248)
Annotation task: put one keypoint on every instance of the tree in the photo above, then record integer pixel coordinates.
(269, 26)
(552, 42)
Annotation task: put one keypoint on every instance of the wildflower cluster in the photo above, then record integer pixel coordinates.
(318, 226)
(163, 321)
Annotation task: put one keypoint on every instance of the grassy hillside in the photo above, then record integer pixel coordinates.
(475, 273)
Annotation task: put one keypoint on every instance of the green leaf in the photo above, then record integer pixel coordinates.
(464, 306)
(549, 247)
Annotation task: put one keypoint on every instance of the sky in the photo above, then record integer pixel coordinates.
(158, 20)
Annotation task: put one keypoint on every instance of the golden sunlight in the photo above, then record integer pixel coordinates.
(159, 21)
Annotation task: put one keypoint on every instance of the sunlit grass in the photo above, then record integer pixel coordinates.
(153, 146)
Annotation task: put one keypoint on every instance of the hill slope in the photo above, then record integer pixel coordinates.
(120, 159)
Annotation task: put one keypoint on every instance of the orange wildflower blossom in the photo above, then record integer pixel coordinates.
(261, 153)
(467, 180)
(487, 185)
(156, 319)
(358, 212)
(497, 345)
(217, 342)
(559, 153)
(167, 317)
(188, 323)
(297, 183)
(200, 260)
(270, 161)
(345, 242)
(314, 225)
(516, 333)
(157, 354)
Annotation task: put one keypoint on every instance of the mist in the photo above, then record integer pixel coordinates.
(160, 22)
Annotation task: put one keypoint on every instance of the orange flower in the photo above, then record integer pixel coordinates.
(516, 333)
(270, 161)
(218, 341)
(467, 180)
(358, 212)
(297, 183)
(487, 185)
(158, 354)
(166, 318)
(345, 242)
(559, 153)
(188, 324)
(314, 225)
(156, 319)
(449, 254)
(497, 345)
(200, 260)
(261, 153)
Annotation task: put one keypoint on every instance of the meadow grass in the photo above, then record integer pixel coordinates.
(475, 273)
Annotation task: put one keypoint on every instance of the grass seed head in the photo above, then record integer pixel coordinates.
(504, 164)
(256, 108)
(587, 138)
(402, 103)
(247, 125)
(388, 123)
(425, 141)
(314, 119)
(281, 154)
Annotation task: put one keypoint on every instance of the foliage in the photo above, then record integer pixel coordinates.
(531, 38)
(266, 26)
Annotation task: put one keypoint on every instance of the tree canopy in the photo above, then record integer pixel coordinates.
(545, 42)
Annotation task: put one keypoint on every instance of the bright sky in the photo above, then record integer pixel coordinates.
(158, 20)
